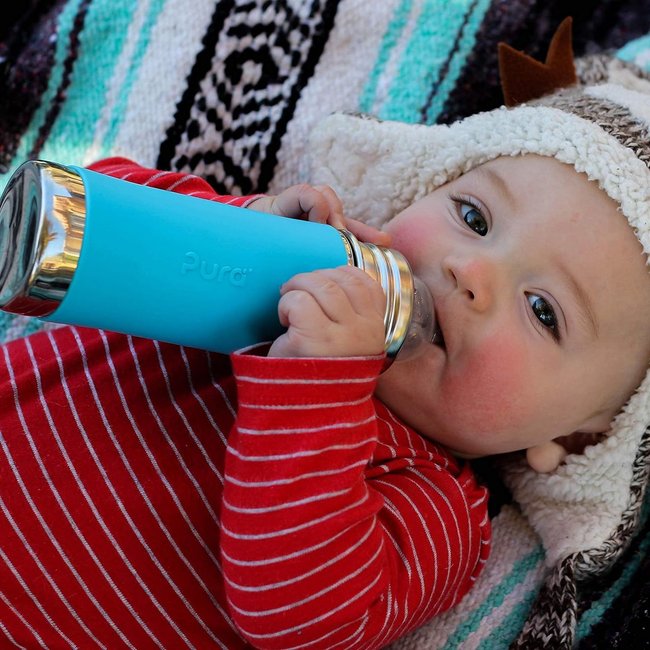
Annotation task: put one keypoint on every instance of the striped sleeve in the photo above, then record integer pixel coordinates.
(319, 549)
(189, 184)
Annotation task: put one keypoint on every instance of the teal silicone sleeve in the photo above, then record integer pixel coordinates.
(185, 270)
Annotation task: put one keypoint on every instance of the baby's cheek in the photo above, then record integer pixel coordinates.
(412, 235)
(493, 386)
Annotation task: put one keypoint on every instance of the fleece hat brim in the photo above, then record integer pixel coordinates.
(591, 502)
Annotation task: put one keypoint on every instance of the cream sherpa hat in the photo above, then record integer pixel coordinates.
(587, 509)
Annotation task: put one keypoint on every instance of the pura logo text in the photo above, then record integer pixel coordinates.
(234, 275)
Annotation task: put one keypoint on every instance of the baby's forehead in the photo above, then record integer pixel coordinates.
(530, 162)
(516, 175)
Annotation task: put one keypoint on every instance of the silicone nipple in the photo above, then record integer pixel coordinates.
(422, 328)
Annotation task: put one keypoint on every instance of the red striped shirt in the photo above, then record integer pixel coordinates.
(152, 496)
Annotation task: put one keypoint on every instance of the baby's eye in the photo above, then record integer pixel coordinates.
(544, 313)
(471, 215)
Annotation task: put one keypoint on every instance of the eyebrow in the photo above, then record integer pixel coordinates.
(585, 306)
(498, 181)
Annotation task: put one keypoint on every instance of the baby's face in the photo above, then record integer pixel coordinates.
(542, 293)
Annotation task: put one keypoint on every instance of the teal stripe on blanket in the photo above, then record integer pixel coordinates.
(595, 613)
(494, 599)
(11, 325)
(442, 37)
(389, 42)
(637, 51)
(119, 110)
(505, 634)
(64, 27)
(100, 45)
(464, 47)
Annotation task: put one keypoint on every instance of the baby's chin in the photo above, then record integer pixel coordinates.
(467, 452)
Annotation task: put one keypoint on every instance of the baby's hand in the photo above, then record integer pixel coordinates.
(318, 203)
(331, 313)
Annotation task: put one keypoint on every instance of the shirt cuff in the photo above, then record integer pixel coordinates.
(317, 379)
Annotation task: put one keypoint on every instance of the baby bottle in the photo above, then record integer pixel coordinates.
(83, 248)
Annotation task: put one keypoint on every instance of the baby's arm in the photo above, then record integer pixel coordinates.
(177, 182)
(340, 527)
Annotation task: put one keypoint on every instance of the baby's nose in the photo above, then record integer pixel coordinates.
(475, 278)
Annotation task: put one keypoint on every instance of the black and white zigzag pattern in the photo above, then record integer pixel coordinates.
(257, 56)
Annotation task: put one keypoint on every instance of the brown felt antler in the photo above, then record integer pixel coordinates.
(524, 78)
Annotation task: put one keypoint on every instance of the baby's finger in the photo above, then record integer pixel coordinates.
(319, 204)
(335, 217)
(367, 233)
(307, 327)
(300, 309)
(296, 201)
(326, 292)
(365, 295)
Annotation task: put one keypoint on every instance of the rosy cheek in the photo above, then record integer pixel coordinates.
(489, 389)
(411, 235)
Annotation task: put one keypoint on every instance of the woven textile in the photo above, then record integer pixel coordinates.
(230, 90)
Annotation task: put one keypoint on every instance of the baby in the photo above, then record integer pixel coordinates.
(155, 496)
(541, 294)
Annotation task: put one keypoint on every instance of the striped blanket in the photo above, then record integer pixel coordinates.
(230, 90)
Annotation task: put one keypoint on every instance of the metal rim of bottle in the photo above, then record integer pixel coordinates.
(42, 222)
(391, 269)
